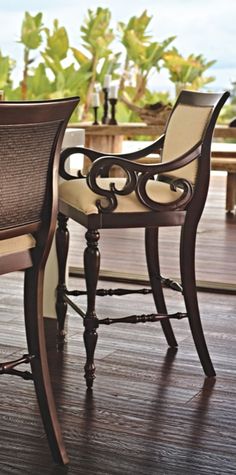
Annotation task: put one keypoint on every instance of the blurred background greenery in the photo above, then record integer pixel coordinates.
(52, 67)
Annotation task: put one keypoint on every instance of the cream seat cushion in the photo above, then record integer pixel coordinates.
(77, 194)
(16, 244)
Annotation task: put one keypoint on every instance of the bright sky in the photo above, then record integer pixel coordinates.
(202, 26)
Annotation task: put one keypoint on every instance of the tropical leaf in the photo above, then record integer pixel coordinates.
(57, 42)
(79, 56)
(6, 67)
(31, 30)
(39, 86)
(96, 33)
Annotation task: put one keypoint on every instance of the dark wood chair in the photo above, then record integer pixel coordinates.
(171, 193)
(31, 135)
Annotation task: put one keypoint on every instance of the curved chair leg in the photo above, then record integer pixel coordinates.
(91, 269)
(36, 345)
(152, 256)
(187, 267)
(62, 247)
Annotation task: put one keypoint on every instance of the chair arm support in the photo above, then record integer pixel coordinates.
(137, 178)
(67, 152)
(94, 155)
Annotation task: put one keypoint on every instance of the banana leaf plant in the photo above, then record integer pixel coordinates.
(6, 66)
(96, 59)
(55, 68)
(143, 56)
(187, 73)
(31, 38)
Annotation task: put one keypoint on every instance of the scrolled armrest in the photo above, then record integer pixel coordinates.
(67, 152)
(94, 155)
(137, 176)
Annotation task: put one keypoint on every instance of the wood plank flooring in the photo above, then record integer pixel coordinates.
(151, 411)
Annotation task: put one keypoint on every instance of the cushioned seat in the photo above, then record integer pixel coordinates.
(16, 244)
(77, 194)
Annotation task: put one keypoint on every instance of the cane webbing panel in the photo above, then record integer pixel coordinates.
(25, 154)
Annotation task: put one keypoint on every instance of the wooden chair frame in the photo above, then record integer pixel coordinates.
(184, 212)
(32, 116)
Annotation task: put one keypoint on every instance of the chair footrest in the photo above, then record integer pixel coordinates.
(9, 367)
(153, 317)
(110, 292)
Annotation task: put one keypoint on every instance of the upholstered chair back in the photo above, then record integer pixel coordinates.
(185, 129)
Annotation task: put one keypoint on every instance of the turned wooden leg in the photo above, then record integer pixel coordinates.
(33, 292)
(91, 269)
(62, 247)
(152, 256)
(187, 267)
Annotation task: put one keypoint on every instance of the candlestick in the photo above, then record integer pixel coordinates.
(105, 119)
(113, 91)
(113, 120)
(97, 87)
(95, 99)
(1, 95)
(107, 81)
(95, 109)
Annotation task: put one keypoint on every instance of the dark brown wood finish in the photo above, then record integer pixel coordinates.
(31, 137)
(151, 410)
(185, 211)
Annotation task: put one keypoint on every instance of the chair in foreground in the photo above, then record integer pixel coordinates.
(171, 193)
(31, 134)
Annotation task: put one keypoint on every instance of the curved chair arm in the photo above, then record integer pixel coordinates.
(137, 177)
(94, 155)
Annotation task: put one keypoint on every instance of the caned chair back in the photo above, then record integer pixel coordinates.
(30, 141)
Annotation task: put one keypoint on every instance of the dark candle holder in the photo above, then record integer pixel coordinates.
(113, 120)
(95, 109)
(105, 119)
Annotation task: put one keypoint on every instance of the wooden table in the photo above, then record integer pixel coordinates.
(112, 136)
(223, 158)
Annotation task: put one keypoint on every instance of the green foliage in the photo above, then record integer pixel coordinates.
(97, 37)
(96, 34)
(187, 72)
(38, 84)
(6, 66)
(31, 31)
(31, 39)
(57, 42)
(143, 55)
(55, 68)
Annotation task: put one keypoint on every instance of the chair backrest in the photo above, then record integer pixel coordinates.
(31, 135)
(191, 122)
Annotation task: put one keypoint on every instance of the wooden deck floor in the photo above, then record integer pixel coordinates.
(151, 411)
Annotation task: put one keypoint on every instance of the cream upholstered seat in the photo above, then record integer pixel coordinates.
(31, 135)
(17, 244)
(170, 193)
(78, 195)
